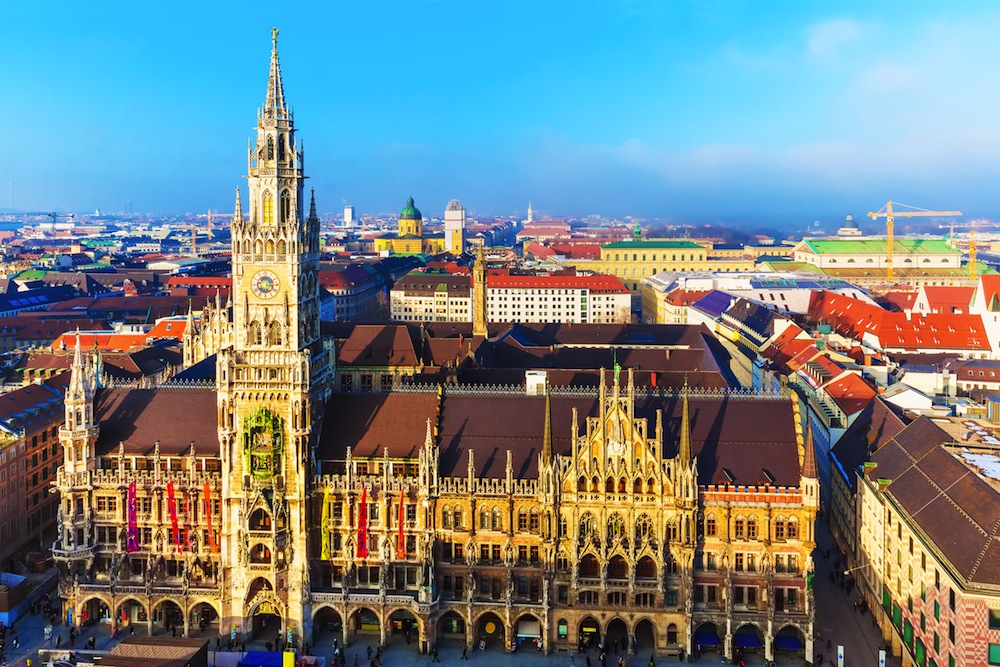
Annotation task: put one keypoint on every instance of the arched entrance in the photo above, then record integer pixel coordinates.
(133, 613)
(490, 633)
(645, 637)
(95, 610)
(589, 633)
(616, 637)
(528, 632)
(748, 639)
(589, 567)
(364, 621)
(327, 626)
(204, 619)
(451, 626)
(168, 618)
(265, 627)
(790, 641)
(706, 639)
(403, 628)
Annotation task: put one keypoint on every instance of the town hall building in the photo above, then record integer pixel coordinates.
(261, 499)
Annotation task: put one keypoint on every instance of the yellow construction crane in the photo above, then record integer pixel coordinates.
(890, 215)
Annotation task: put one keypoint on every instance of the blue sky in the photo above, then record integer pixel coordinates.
(652, 108)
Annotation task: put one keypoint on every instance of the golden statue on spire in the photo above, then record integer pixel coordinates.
(274, 36)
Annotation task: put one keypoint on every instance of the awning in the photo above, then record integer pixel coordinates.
(529, 628)
(746, 640)
(706, 638)
(788, 643)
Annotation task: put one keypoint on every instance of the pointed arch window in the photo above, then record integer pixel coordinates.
(268, 208)
(457, 517)
(534, 522)
(286, 206)
(484, 519)
(254, 333)
(274, 337)
(495, 520)
(446, 517)
(270, 148)
(710, 527)
(751, 528)
(281, 149)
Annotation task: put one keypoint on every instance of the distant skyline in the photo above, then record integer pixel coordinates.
(784, 110)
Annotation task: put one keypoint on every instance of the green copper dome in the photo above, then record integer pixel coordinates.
(411, 212)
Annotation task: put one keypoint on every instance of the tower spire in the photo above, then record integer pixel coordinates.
(238, 209)
(547, 434)
(809, 456)
(312, 206)
(684, 448)
(78, 385)
(274, 104)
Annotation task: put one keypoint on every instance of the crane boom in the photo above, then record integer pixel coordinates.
(890, 215)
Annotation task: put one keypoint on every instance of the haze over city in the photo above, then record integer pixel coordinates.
(679, 109)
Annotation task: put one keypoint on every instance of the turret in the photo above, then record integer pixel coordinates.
(79, 432)
(810, 474)
(479, 324)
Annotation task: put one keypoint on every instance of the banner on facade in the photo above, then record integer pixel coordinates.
(325, 525)
(172, 505)
(132, 544)
(363, 524)
(208, 518)
(401, 540)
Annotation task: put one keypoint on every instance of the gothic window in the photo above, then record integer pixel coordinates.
(260, 554)
(269, 247)
(609, 485)
(458, 517)
(286, 206)
(616, 527)
(281, 247)
(274, 334)
(645, 568)
(495, 520)
(621, 485)
(484, 519)
(258, 247)
(588, 526)
(260, 520)
(522, 521)
(268, 208)
(649, 485)
(793, 529)
(563, 527)
(751, 528)
(740, 528)
(710, 525)
(779, 529)
(254, 333)
(446, 517)
(581, 484)
(643, 528)
(533, 521)
(270, 148)
(246, 247)
(281, 149)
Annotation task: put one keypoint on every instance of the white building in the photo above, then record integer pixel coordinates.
(454, 227)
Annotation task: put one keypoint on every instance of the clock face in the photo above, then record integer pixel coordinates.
(264, 284)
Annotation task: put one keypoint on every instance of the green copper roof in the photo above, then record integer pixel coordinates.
(643, 245)
(878, 246)
(411, 212)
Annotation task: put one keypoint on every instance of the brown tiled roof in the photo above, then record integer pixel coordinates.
(952, 505)
(140, 417)
(368, 423)
(739, 437)
(377, 345)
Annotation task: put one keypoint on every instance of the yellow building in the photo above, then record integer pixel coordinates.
(634, 260)
(410, 239)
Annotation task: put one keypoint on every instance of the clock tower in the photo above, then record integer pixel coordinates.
(272, 382)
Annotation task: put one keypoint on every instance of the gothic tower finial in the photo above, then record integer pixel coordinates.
(479, 303)
(312, 206)
(79, 388)
(684, 448)
(237, 209)
(274, 104)
(547, 434)
(809, 456)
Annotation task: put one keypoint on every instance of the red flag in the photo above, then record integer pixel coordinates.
(172, 504)
(363, 524)
(401, 540)
(132, 544)
(208, 519)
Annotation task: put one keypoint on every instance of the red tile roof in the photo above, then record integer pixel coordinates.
(683, 297)
(901, 300)
(937, 331)
(850, 393)
(596, 284)
(950, 299)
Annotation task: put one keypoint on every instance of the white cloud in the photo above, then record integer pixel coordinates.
(824, 39)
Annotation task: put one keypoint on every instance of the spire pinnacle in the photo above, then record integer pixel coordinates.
(547, 435)
(238, 209)
(809, 456)
(312, 205)
(274, 104)
(684, 448)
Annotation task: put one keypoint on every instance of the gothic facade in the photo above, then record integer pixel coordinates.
(667, 521)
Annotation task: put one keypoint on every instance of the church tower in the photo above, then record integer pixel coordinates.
(272, 381)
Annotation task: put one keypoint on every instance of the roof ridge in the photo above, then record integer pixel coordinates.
(990, 537)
